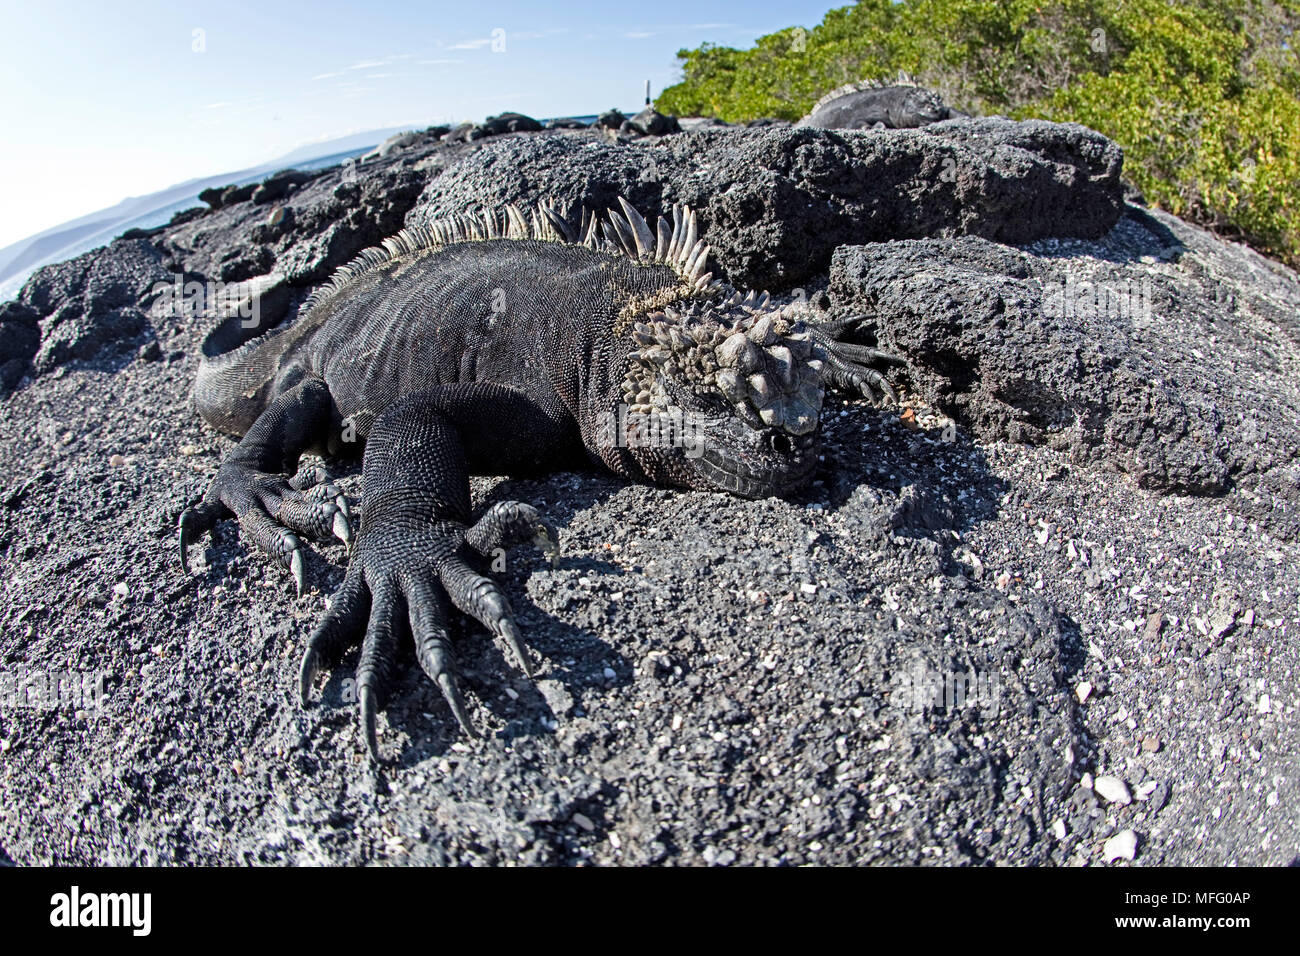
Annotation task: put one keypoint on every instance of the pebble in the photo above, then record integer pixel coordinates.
(121, 589)
(1114, 790)
(1058, 829)
(582, 820)
(116, 461)
(1145, 790)
(1083, 691)
(1122, 846)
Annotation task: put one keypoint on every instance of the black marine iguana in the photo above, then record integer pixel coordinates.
(877, 104)
(495, 343)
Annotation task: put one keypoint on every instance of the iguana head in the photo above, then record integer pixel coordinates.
(724, 395)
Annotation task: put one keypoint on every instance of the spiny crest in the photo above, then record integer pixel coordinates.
(675, 243)
(903, 79)
(761, 359)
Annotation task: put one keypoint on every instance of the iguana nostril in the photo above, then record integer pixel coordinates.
(781, 444)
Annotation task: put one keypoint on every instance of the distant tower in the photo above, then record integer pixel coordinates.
(647, 92)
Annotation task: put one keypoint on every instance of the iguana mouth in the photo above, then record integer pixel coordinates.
(787, 467)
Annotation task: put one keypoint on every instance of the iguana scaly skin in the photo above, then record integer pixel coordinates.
(879, 104)
(500, 344)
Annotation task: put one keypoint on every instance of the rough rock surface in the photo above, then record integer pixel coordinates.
(777, 202)
(721, 681)
(1157, 351)
(94, 302)
(611, 119)
(650, 122)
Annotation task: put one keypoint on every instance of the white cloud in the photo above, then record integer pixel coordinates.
(219, 105)
(326, 76)
(471, 44)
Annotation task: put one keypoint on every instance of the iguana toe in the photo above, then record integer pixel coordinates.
(508, 523)
(374, 669)
(308, 477)
(346, 614)
(482, 599)
(433, 648)
(192, 523)
(846, 364)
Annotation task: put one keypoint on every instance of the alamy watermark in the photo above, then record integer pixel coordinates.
(1085, 299)
(667, 428)
(180, 299)
(922, 688)
(77, 907)
(50, 690)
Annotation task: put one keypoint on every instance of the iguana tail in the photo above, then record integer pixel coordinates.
(241, 369)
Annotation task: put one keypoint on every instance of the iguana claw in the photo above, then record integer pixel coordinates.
(296, 566)
(342, 530)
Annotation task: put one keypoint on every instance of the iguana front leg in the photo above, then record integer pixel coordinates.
(416, 550)
(253, 483)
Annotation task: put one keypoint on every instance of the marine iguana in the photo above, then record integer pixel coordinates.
(875, 105)
(501, 344)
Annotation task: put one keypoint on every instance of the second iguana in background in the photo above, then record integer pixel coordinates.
(499, 343)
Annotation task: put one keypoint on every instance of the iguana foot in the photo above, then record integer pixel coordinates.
(402, 575)
(270, 508)
(847, 365)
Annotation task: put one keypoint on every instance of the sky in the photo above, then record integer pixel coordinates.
(101, 101)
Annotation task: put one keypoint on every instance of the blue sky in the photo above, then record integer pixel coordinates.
(107, 100)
